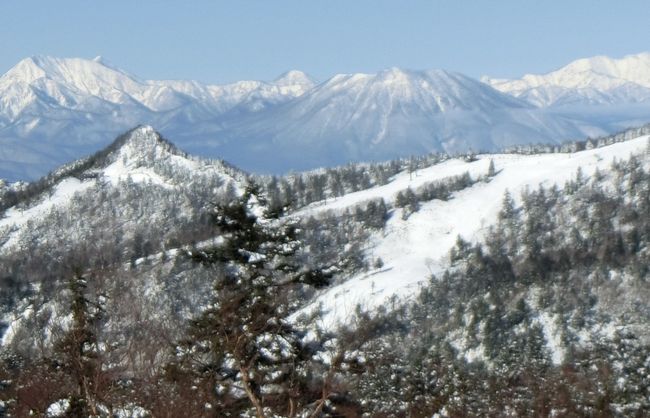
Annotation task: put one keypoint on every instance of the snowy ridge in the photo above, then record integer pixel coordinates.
(597, 80)
(73, 82)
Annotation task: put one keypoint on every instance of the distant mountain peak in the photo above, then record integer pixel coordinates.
(54, 66)
(294, 77)
(27, 70)
(634, 68)
(432, 91)
(594, 80)
(396, 76)
(394, 72)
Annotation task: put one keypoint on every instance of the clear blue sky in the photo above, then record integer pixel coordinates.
(223, 41)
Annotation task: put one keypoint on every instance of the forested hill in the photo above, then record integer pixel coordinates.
(146, 282)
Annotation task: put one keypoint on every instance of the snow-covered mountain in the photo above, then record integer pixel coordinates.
(166, 186)
(394, 113)
(78, 84)
(55, 110)
(143, 185)
(590, 81)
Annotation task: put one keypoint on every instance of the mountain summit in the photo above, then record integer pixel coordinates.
(597, 80)
(393, 113)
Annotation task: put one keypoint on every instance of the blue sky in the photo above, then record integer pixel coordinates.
(219, 41)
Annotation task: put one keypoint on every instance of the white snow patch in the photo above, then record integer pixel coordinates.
(58, 408)
(608, 330)
(14, 325)
(475, 354)
(118, 171)
(553, 336)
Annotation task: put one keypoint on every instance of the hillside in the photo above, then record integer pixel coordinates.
(415, 246)
(519, 270)
(136, 197)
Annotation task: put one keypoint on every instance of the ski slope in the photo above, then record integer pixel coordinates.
(417, 247)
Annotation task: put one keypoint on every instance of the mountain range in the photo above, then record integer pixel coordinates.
(54, 110)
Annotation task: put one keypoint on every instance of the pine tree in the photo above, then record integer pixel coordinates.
(491, 169)
(243, 341)
(78, 352)
(508, 210)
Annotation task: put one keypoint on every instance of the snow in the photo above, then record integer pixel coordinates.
(58, 408)
(118, 171)
(417, 247)
(131, 411)
(61, 407)
(14, 324)
(398, 183)
(552, 336)
(16, 218)
(136, 160)
(593, 80)
(47, 103)
(475, 354)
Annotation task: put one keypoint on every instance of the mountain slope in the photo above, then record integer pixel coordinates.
(591, 81)
(139, 163)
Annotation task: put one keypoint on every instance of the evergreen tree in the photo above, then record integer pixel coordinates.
(243, 341)
(78, 353)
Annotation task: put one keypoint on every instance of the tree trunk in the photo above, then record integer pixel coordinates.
(249, 392)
